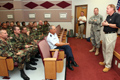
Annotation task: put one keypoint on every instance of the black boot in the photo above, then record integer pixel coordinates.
(33, 59)
(33, 62)
(23, 75)
(70, 67)
(74, 64)
(38, 55)
(29, 67)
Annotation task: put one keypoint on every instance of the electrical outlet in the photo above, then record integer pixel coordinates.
(115, 62)
(119, 65)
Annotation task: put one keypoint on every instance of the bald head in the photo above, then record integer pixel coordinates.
(3, 34)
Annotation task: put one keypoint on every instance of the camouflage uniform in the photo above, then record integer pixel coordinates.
(6, 50)
(20, 42)
(35, 35)
(29, 40)
(95, 29)
(45, 30)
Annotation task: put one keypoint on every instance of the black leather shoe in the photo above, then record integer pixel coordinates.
(70, 67)
(29, 67)
(33, 63)
(74, 64)
(23, 75)
(37, 56)
(35, 59)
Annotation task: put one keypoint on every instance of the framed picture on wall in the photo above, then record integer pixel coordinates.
(63, 15)
(10, 16)
(32, 16)
(47, 15)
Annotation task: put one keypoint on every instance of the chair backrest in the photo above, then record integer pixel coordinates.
(44, 49)
(45, 38)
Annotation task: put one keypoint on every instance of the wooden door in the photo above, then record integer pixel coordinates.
(78, 10)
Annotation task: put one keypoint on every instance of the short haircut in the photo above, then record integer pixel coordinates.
(1, 30)
(50, 27)
(82, 11)
(23, 28)
(14, 28)
(2, 23)
(34, 22)
(45, 21)
(23, 22)
(17, 22)
(112, 6)
(7, 21)
(96, 8)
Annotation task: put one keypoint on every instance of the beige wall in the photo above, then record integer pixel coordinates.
(21, 12)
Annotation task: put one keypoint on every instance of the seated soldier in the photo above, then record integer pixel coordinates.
(40, 23)
(54, 43)
(19, 44)
(6, 50)
(9, 31)
(8, 24)
(18, 24)
(30, 41)
(36, 33)
(23, 25)
(29, 26)
(45, 28)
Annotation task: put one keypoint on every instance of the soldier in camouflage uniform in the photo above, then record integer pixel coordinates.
(18, 24)
(36, 33)
(7, 23)
(95, 22)
(20, 44)
(45, 28)
(4, 26)
(7, 50)
(30, 41)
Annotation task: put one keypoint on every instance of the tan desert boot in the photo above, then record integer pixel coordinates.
(92, 50)
(106, 69)
(102, 63)
(97, 51)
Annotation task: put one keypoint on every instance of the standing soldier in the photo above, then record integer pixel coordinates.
(81, 25)
(95, 22)
(111, 25)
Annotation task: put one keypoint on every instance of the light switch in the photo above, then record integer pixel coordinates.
(118, 65)
(115, 62)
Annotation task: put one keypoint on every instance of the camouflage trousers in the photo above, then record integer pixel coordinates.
(33, 50)
(95, 38)
(20, 59)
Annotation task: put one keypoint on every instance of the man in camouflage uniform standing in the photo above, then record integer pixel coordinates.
(95, 22)
(6, 50)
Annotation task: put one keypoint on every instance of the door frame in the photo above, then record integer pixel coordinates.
(75, 17)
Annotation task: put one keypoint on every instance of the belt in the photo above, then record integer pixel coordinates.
(109, 32)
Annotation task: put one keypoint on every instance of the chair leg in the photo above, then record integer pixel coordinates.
(6, 77)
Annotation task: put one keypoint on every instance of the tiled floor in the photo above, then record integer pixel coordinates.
(35, 74)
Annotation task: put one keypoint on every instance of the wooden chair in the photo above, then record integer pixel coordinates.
(53, 63)
(5, 65)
